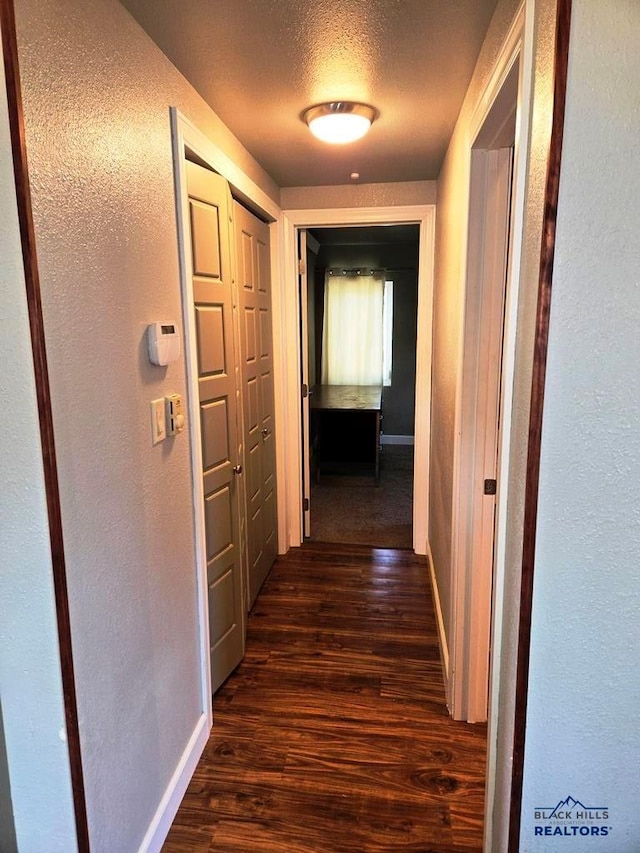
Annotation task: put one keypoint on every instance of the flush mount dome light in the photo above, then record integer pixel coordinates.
(340, 121)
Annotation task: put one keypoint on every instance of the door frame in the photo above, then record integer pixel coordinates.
(518, 47)
(295, 220)
(479, 432)
(303, 290)
(476, 604)
(185, 136)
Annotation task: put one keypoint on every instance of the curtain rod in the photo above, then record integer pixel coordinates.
(367, 270)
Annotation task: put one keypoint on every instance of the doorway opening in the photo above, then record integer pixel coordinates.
(359, 333)
(297, 224)
(482, 396)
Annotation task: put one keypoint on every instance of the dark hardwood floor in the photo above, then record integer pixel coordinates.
(333, 736)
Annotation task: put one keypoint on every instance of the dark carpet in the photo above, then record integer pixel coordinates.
(353, 510)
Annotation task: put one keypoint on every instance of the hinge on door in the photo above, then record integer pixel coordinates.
(301, 267)
(305, 390)
(305, 505)
(490, 487)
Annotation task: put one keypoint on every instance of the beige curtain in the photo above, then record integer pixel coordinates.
(352, 338)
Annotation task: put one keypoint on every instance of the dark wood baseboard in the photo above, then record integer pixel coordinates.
(36, 322)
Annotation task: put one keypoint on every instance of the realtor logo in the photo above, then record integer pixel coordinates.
(570, 818)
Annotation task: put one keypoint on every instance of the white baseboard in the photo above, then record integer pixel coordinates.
(444, 648)
(396, 439)
(166, 812)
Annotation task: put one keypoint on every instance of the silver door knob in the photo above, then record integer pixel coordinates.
(237, 469)
(265, 432)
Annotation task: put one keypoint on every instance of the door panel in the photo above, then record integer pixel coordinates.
(306, 383)
(252, 252)
(218, 522)
(215, 433)
(206, 252)
(252, 413)
(213, 308)
(211, 342)
(250, 347)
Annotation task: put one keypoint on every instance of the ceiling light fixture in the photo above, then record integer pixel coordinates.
(339, 122)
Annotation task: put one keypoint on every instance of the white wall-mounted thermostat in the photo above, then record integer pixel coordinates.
(163, 340)
(175, 419)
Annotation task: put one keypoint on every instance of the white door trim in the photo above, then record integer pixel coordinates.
(186, 136)
(180, 138)
(463, 673)
(477, 429)
(522, 39)
(303, 277)
(518, 46)
(424, 215)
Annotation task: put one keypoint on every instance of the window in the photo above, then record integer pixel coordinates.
(358, 330)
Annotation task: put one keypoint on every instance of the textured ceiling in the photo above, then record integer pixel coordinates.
(260, 63)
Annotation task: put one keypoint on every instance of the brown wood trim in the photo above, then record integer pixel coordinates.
(547, 253)
(36, 323)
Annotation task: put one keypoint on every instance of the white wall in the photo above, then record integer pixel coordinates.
(358, 195)
(583, 737)
(30, 682)
(97, 94)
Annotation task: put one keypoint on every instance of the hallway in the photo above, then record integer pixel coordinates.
(332, 735)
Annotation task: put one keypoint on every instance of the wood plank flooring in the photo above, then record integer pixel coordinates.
(333, 736)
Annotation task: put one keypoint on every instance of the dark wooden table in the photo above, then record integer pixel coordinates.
(348, 424)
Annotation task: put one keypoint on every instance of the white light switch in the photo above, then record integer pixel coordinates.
(158, 428)
(175, 419)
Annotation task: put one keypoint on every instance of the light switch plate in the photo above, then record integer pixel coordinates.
(158, 425)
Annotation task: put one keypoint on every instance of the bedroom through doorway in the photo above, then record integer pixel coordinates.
(359, 327)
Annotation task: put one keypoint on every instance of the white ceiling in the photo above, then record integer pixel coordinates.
(260, 63)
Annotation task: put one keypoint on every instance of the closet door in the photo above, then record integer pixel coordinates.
(210, 231)
(254, 293)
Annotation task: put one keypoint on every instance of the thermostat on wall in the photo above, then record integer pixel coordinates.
(163, 340)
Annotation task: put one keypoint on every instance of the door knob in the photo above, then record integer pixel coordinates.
(237, 469)
(265, 432)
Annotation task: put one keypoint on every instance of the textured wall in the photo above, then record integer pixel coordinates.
(584, 694)
(97, 94)
(30, 686)
(358, 195)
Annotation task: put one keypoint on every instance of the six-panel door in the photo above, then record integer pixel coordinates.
(209, 212)
(254, 290)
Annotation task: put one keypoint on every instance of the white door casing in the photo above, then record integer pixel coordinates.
(305, 381)
(518, 49)
(476, 580)
(479, 422)
(424, 215)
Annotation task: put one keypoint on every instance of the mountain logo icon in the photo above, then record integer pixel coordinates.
(567, 804)
(571, 809)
